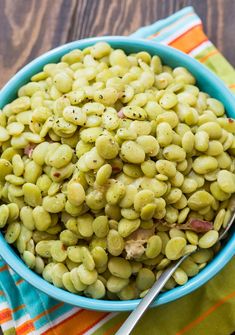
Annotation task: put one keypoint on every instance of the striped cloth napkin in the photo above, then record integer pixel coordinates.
(208, 311)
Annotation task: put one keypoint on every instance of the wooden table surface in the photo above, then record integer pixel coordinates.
(29, 28)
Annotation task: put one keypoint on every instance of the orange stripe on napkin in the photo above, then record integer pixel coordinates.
(25, 328)
(18, 308)
(75, 326)
(3, 268)
(190, 40)
(206, 313)
(18, 282)
(52, 309)
(204, 58)
(5, 315)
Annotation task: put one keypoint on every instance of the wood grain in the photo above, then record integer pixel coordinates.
(29, 28)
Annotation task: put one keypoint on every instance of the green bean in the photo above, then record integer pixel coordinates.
(199, 200)
(18, 165)
(192, 237)
(134, 112)
(180, 276)
(148, 168)
(43, 248)
(202, 256)
(95, 290)
(58, 271)
(174, 248)
(58, 251)
(168, 100)
(54, 204)
(143, 198)
(145, 279)
(100, 226)
(32, 194)
(166, 167)
(208, 239)
(13, 212)
(188, 140)
(68, 283)
(164, 134)
(119, 267)
(173, 196)
(85, 225)
(154, 247)
(226, 181)
(217, 192)
(189, 185)
(201, 141)
(47, 272)
(86, 276)
(6, 168)
(99, 256)
(126, 227)
(41, 218)
(132, 152)
(190, 267)
(174, 153)
(116, 284)
(74, 277)
(219, 219)
(107, 147)
(12, 232)
(30, 246)
(61, 157)
(103, 174)
(128, 198)
(68, 237)
(215, 106)
(174, 232)
(128, 292)
(75, 193)
(115, 192)
(29, 259)
(39, 265)
(115, 243)
(213, 129)
(75, 254)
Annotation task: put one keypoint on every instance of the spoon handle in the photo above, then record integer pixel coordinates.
(134, 317)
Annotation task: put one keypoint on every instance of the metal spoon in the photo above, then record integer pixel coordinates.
(134, 317)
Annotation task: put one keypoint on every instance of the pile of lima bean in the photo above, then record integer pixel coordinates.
(112, 166)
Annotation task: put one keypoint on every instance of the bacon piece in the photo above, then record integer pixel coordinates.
(141, 234)
(121, 114)
(134, 245)
(28, 150)
(197, 225)
(134, 249)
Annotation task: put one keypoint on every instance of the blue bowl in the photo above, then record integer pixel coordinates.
(207, 82)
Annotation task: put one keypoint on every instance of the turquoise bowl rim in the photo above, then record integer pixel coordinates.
(210, 83)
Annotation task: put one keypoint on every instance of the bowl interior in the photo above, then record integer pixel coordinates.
(206, 81)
